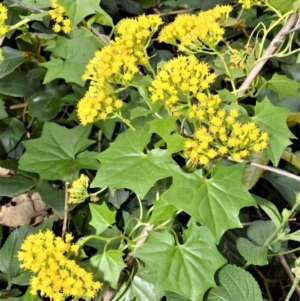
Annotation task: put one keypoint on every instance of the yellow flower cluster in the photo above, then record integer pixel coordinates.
(78, 190)
(58, 14)
(3, 17)
(115, 65)
(183, 75)
(194, 33)
(55, 276)
(221, 134)
(249, 3)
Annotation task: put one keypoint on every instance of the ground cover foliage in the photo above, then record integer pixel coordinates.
(149, 150)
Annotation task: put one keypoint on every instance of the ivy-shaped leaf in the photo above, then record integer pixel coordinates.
(162, 210)
(70, 57)
(102, 217)
(164, 128)
(186, 269)
(142, 287)
(125, 165)
(54, 156)
(215, 202)
(235, 284)
(272, 119)
(107, 266)
(77, 10)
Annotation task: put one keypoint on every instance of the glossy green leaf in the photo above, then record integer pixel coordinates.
(162, 210)
(210, 201)
(107, 266)
(252, 174)
(235, 284)
(70, 56)
(102, 217)
(103, 18)
(9, 263)
(165, 128)
(283, 7)
(3, 113)
(283, 85)
(15, 184)
(270, 209)
(286, 186)
(171, 296)
(18, 84)
(53, 197)
(54, 156)
(11, 131)
(13, 58)
(125, 165)
(272, 119)
(46, 102)
(142, 287)
(186, 269)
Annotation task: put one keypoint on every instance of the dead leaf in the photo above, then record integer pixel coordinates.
(17, 212)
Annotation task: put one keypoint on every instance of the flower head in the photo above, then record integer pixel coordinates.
(3, 17)
(250, 3)
(55, 276)
(193, 33)
(61, 21)
(78, 190)
(183, 75)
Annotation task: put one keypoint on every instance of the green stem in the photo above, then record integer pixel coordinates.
(84, 240)
(141, 207)
(99, 191)
(267, 242)
(295, 284)
(19, 24)
(285, 253)
(228, 72)
(126, 121)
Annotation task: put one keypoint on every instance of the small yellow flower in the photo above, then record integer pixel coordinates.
(58, 15)
(78, 190)
(55, 275)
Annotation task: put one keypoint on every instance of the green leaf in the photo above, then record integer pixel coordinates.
(272, 119)
(270, 209)
(286, 186)
(142, 287)
(253, 249)
(18, 84)
(13, 58)
(125, 165)
(53, 197)
(70, 56)
(107, 266)
(252, 253)
(102, 217)
(103, 18)
(9, 264)
(138, 112)
(11, 131)
(54, 155)
(283, 7)
(171, 296)
(252, 174)
(3, 113)
(165, 128)
(210, 201)
(235, 284)
(162, 210)
(77, 10)
(15, 185)
(283, 85)
(186, 269)
(46, 102)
